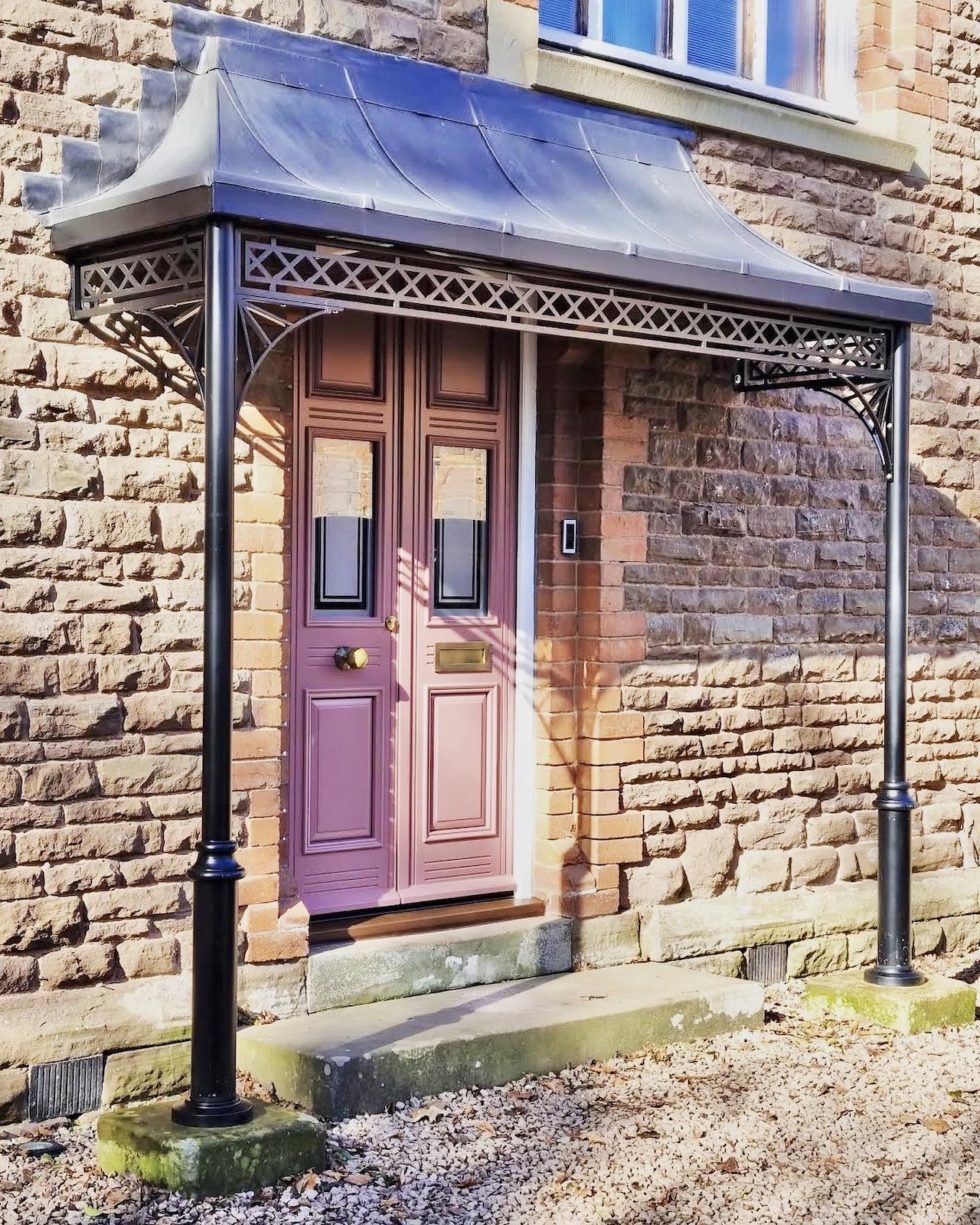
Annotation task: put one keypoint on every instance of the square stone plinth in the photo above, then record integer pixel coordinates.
(909, 1010)
(145, 1141)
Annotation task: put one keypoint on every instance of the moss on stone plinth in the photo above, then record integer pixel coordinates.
(145, 1141)
(909, 1010)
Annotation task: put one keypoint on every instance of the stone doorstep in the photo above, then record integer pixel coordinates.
(394, 967)
(145, 1141)
(364, 1058)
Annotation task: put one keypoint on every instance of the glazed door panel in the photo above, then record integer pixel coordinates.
(342, 718)
(405, 549)
(458, 842)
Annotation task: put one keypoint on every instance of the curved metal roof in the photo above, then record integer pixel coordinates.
(296, 131)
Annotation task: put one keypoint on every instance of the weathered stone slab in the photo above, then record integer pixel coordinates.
(730, 965)
(276, 987)
(198, 1161)
(362, 1059)
(817, 956)
(935, 1003)
(606, 940)
(48, 1025)
(155, 1071)
(367, 971)
(715, 925)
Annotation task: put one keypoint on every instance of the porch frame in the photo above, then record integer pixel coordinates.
(224, 295)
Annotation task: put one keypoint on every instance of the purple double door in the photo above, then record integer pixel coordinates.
(402, 649)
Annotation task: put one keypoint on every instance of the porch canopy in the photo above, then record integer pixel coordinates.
(271, 176)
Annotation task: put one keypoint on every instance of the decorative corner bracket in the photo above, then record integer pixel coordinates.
(154, 292)
(866, 391)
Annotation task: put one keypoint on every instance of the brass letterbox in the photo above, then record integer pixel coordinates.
(462, 657)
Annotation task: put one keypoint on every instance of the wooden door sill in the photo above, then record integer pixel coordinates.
(405, 920)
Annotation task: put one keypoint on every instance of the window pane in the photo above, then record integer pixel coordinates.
(560, 15)
(460, 496)
(792, 43)
(714, 34)
(639, 24)
(342, 503)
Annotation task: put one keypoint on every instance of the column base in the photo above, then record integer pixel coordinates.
(894, 976)
(144, 1140)
(910, 1009)
(203, 1114)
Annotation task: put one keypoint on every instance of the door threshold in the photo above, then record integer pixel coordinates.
(422, 917)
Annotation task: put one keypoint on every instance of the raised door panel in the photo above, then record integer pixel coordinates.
(341, 745)
(462, 764)
(347, 360)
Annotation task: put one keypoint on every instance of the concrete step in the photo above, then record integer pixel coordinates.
(390, 968)
(364, 1058)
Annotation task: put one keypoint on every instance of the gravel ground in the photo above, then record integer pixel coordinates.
(794, 1123)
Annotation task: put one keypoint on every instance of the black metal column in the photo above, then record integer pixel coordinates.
(895, 799)
(213, 1101)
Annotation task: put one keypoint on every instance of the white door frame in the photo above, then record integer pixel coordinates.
(524, 810)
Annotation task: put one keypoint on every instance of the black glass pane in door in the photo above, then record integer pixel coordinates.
(342, 500)
(459, 521)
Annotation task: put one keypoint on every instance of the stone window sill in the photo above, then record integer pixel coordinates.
(635, 89)
(889, 140)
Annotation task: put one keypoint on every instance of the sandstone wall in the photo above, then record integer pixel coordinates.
(709, 674)
(760, 565)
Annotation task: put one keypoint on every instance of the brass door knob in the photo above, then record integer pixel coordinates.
(350, 658)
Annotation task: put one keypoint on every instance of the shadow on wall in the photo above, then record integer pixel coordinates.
(762, 587)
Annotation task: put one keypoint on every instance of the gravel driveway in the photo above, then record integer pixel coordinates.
(795, 1123)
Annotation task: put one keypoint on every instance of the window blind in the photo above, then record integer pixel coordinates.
(713, 34)
(560, 15)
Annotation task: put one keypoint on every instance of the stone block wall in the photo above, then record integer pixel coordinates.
(708, 669)
(759, 682)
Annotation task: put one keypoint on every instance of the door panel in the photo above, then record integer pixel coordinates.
(461, 758)
(460, 840)
(404, 546)
(341, 746)
(342, 783)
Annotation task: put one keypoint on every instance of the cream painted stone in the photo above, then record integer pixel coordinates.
(817, 956)
(44, 1026)
(606, 940)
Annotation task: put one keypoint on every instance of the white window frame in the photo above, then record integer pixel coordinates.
(838, 65)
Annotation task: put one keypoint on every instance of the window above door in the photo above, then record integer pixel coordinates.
(797, 52)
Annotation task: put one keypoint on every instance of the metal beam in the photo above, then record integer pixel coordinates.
(213, 1100)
